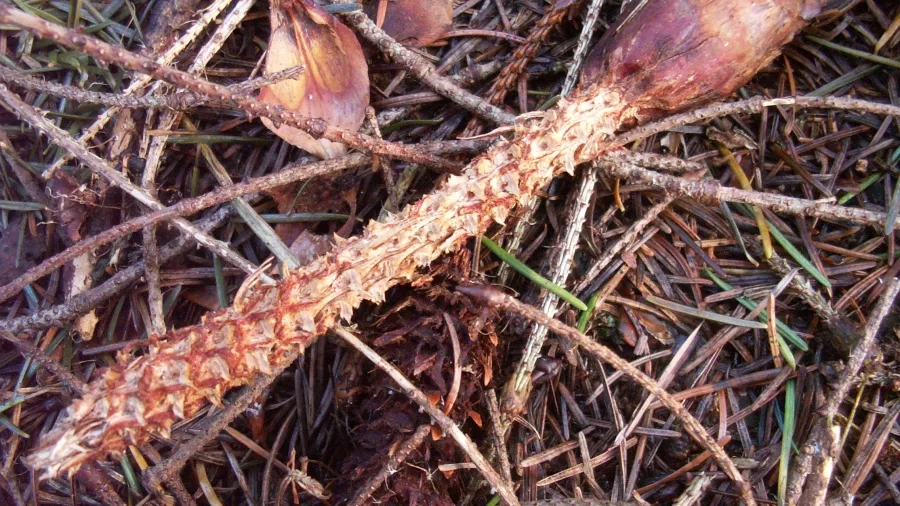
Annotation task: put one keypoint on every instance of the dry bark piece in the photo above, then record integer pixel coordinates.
(413, 23)
(196, 365)
(75, 202)
(335, 83)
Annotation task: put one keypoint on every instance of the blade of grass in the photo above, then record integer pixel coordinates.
(130, 476)
(586, 314)
(729, 216)
(221, 288)
(867, 182)
(798, 256)
(738, 172)
(845, 80)
(705, 315)
(787, 439)
(178, 138)
(6, 422)
(874, 58)
(298, 217)
(74, 11)
(790, 249)
(12, 205)
(893, 209)
(533, 276)
(785, 333)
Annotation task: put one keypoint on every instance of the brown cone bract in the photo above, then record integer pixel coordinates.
(672, 55)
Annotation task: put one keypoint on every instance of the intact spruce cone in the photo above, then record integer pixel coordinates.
(715, 46)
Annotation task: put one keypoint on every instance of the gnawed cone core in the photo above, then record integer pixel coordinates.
(197, 365)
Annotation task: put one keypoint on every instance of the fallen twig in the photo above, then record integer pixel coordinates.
(119, 56)
(755, 104)
(58, 316)
(710, 191)
(391, 466)
(692, 426)
(445, 422)
(100, 167)
(810, 478)
(139, 82)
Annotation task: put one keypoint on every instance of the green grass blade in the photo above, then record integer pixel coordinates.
(784, 332)
(874, 58)
(790, 248)
(867, 182)
(787, 438)
(705, 315)
(533, 276)
(586, 314)
(798, 256)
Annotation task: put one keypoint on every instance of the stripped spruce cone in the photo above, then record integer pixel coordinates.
(196, 365)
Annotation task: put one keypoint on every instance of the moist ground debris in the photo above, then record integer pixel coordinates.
(744, 256)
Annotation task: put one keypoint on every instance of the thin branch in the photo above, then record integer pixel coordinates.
(154, 292)
(584, 42)
(445, 422)
(29, 350)
(559, 265)
(154, 153)
(317, 128)
(710, 191)
(99, 486)
(58, 316)
(755, 104)
(30, 115)
(422, 69)
(500, 300)
(179, 101)
(843, 332)
(862, 348)
(207, 15)
(391, 466)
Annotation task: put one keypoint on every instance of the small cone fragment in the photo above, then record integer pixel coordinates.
(335, 84)
(672, 55)
(413, 23)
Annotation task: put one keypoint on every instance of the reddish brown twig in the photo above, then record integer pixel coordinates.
(693, 427)
(119, 56)
(521, 57)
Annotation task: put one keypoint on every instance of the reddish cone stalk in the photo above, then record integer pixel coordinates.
(669, 55)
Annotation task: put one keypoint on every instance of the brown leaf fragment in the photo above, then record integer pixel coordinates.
(204, 296)
(74, 201)
(413, 23)
(335, 84)
(307, 246)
